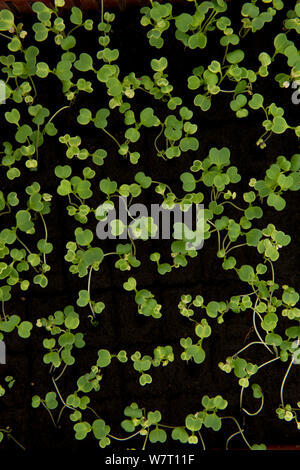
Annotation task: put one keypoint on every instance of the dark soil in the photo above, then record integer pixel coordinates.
(177, 389)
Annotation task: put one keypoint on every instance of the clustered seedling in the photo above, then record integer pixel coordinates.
(24, 257)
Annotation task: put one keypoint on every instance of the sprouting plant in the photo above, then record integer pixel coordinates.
(233, 215)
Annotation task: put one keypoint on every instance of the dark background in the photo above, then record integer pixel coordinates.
(177, 389)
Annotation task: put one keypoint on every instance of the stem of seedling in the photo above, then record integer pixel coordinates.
(111, 136)
(79, 199)
(273, 279)
(37, 142)
(60, 414)
(268, 362)
(5, 36)
(223, 243)
(145, 441)
(124, 438)
(166, 185)
(232, 204)
(51, 416)
(259, 409)
(241, 397)
(46, 234)
(62, 372)
(3, 310)
(73, 29)
(230, 437)
(243, 31)
(132, 243)
(227, 91)
(284, 380)
(55, 114)
(241, 431)
(95, 413)
(61, 399)
(27, 249)
(255, 327)
(236, 246)
(33, 86)
(6, 212)
(89, 289)
(225, 54)
(218, 233)
(208, 21)
(10, 436)
(248, 345)
(156, 139)
(166, 426)
(202, 441)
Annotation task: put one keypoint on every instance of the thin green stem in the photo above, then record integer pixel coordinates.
(27, 249)
(61, 399)
(55, 114)
(268, 362)
(156, 139)
(250, 344)
(166, 185)
(79, 199)
(273, 279)
(33, 86)
(284, 380)
(232, 204)
(227, 91)
(3, 310)
(73, 29)
(218, 232)
(10, 436)
(255, 327)
(5, 36)
(256, 412)
(72, 203)
(37, 143)
(145, 441)
(208, 21)
(60, 414)
(202, 441)
(212, 193)
(225, 54)
(89, 290)
(51, 416)
(224, 239)
(241, 431)
(268, 136)
(166, 426)
(111, 136)
(241, 397)
(124, 438)
(132, 243)
(236, 246)
(230, 437)
(95, 413)
(46, 234)
(62, 372)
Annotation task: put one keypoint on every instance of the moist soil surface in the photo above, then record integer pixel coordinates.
(176, 389)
